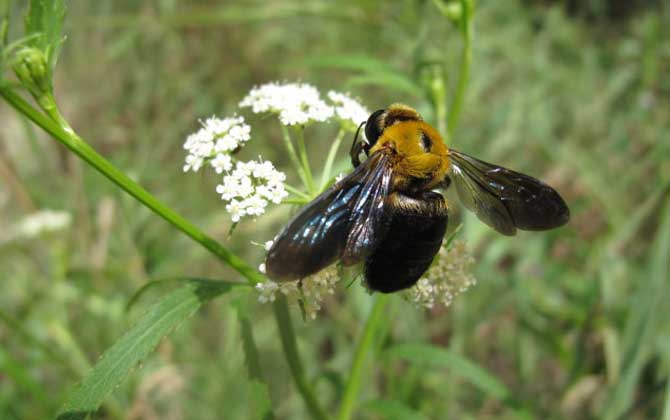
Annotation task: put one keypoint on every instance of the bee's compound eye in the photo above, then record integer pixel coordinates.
(374, 128)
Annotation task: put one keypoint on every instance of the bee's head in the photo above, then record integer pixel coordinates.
(376, 124)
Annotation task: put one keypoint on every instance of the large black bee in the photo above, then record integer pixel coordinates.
(386, 214)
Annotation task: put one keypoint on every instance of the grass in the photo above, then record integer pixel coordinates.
(569, 323)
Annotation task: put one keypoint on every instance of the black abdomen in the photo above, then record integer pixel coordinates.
(415, 235)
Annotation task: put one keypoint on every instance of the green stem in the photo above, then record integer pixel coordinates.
(325, 176)
(294, 190)
(439, 92)
(298, 201)
(354, 382)
(88, 154)
(287, 335)
(303, 159)
(466, 59)
(293, 155)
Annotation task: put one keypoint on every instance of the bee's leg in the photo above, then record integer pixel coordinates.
(415, 235)
(357, 147)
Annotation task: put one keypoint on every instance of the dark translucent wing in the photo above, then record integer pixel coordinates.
(368, 219)
(505, 199)
(318, 234)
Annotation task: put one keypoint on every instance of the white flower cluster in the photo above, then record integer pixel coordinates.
(296, 103)
(214, 142)
(448, 277)
(249, 187)
(349, 111)
(301, 104)
(313, 291)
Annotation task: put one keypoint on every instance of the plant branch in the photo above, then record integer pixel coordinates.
(290, 346)
(356, 372)
(88, 154)
(465, 26)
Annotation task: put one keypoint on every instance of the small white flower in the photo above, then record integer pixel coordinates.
(261, 268)
(267, 291)
(294, 103)
(268, 245)
(236, 210)
(222, 163)
(347, 110)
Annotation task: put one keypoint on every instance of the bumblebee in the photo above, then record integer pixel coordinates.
(387, 215)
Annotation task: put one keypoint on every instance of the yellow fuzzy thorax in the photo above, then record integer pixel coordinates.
(418, 150)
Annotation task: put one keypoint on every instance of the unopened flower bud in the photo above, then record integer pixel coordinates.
(30, 66)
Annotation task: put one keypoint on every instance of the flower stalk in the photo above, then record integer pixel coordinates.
(353, 385)
(290, 346)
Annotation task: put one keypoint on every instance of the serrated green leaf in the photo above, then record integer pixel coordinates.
(45, 17)
(431, 356)
(117, 362)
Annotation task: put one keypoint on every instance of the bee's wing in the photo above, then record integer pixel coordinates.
(343, 219)
(505, 199)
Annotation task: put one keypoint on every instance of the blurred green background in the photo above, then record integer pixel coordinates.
(574, 322)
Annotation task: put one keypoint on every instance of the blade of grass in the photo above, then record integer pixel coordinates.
(638, 332)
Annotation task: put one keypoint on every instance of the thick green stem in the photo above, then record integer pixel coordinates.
(354, 381)
(290, 346)
(466, 59)
(88, 154)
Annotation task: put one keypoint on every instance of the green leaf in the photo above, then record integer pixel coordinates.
(45, 17)
(431, 356)
(117, 362)
(392, 409)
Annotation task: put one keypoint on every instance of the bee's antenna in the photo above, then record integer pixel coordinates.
(357, 147)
